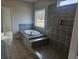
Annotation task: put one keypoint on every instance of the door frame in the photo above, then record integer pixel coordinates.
(73, 51)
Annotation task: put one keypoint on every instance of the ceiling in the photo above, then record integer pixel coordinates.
(32, 1)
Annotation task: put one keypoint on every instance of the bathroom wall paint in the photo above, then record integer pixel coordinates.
(21, 13)
(44, 4)
(41, 5)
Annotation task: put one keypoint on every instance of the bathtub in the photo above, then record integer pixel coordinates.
(32, 32)
(28, 35)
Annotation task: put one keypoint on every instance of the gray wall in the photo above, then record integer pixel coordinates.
(21, 13)
(44, 3)
(41, 4)
(60, 24)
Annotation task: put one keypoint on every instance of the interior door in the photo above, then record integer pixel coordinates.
(6, 20)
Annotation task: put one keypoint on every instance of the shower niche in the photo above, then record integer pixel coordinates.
(67, 23)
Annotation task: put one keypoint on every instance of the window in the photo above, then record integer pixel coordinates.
(67, 2)
(40, 18)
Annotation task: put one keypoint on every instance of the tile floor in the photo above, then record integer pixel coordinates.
(15, 49)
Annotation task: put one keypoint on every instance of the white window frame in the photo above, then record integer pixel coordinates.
(66, 2)
(36, 15)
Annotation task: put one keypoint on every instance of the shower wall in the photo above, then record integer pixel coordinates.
(59, 25)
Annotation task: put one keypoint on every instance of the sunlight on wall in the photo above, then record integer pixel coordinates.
(67, 2)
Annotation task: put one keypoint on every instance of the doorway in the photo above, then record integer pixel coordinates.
(6, 28)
